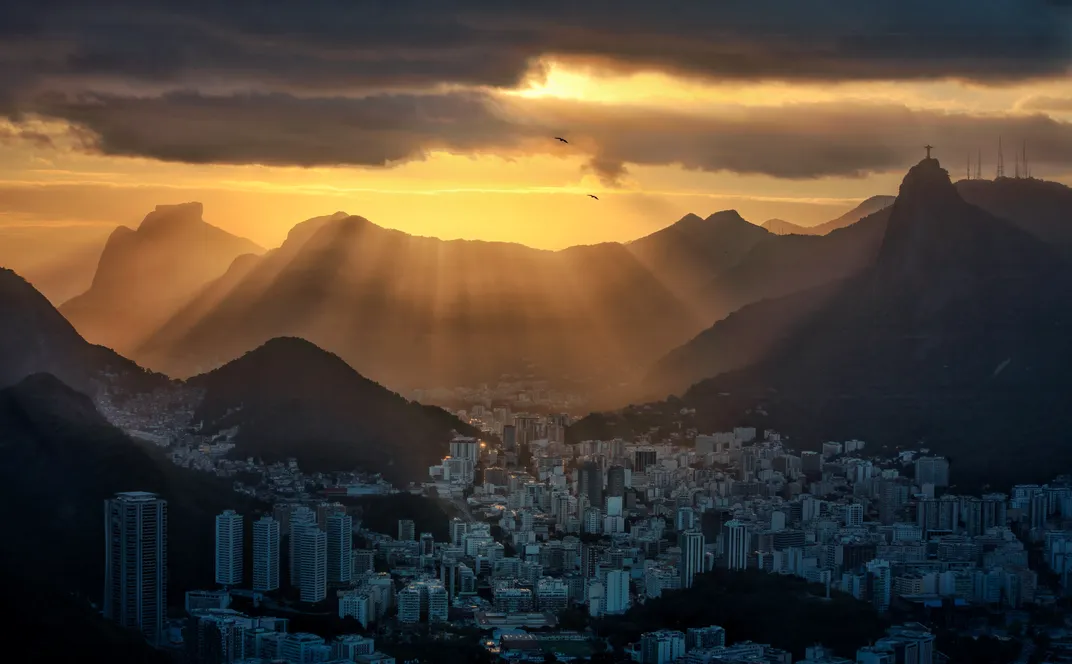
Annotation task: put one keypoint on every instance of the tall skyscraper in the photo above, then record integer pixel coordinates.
(407, 530)
(266, 554)
(312, 564)
(616, 481)
(616, 591)
(300, 516)
(340, 543)
(692, 556)
(590, 483)
(135, 562)
(736, 543)
(509, 437)
(229, 548)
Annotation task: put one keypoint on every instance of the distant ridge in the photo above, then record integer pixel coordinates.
(144, 275)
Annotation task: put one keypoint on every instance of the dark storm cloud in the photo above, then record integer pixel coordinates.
(352, 43)
(795, 141)
(366, 82)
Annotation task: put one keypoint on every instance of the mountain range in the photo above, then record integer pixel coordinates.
(287, 398)
(956, 334)
(417, 312)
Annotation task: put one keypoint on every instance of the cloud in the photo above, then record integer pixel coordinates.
(336, 45)
(799, 141)
(1046, 103)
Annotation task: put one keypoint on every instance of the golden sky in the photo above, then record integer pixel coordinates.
(470, 157)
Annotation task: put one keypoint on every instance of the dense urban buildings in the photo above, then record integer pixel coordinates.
(229, 548)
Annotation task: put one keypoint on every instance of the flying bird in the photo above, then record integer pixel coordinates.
(559, 138)
(593, 196)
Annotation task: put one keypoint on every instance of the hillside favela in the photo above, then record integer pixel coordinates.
(523, 332)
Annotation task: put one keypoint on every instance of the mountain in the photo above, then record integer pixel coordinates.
(865, 209)
(144, 275)
(292, 399)
(1041, 208)
(957, 334)
(35, 338)
(61, 461)
(59, 260)
(418, 312)
(693, 251)
(783, 227)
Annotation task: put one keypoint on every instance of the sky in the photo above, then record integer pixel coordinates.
(439, 117)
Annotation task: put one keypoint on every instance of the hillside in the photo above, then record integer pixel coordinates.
(956, 335)
(865, 209)
(35, 338)
(59, 260)
(61, 461)
(144, 275)
(1041, 208)
(292, 399)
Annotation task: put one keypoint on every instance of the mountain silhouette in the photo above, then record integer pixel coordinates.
(783, 227)
(1041, 208)
(957, 334)
(290, 398)
(35, 338)
(144, 275)
(865, 209)
(417, 311)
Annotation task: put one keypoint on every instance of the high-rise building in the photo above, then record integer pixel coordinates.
(427, 544)
(509, 437)
(692, 556)
(661, 647)
(880, 582)
(590, 483)
(229, 548)
(300, 516)
(340, 543)
(135, 562)
(407, 531)
(458, 529)
(324, 510)
(854, 515)
(616, 481)
(932, 470)
(616, 592)
(644, 457)
(312, 546)
(465, 447)
(266, 554)
(736, 544)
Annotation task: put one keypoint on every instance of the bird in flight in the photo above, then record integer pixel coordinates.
(559, 138)
(593, 196)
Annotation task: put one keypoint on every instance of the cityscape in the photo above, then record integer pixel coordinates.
(551, 538)
(355, 332)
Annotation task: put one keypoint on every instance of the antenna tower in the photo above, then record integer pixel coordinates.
(979, 166)
(1027, 170)
(1001, 161)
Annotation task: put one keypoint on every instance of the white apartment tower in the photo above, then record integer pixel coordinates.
(340, 543)
(135, 562)
(300, 516)
(229, 548)
(312, 546)
(692, 556)
(265, 554)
